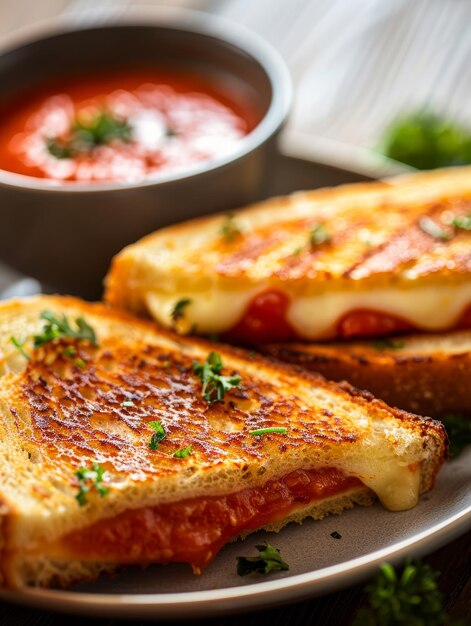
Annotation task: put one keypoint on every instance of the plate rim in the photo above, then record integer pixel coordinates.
(215, 602)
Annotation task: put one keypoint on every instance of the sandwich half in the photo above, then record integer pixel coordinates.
(358, 260)
(124, 444)
(424, 373)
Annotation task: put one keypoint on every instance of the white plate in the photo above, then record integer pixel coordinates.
(318, 563)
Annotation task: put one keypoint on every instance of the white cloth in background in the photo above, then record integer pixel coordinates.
(357, 63)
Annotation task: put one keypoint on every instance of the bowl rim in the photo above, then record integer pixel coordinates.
(178, 18)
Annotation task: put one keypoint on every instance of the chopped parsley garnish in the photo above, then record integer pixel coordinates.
(319, 235)
(214, 385)
(127, 404)
(19, 344)
(87, 134)
(58, 327)
(388, 344)
(158, 436)
(70, 351)
(178, 310)
(264, 431)
(426, 141)
(462, 223)
(183, 452)
(89, 479)
(230, 229)
(79, 362)
(458, 428)
(407, 596)
(432, 229)
(269, 560)
(336, 535)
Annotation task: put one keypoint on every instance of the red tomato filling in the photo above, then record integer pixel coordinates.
(194, 530)
(265, 320)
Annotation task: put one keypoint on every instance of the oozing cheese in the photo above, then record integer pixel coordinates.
(427, 307)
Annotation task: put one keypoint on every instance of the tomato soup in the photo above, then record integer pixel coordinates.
(122, 126)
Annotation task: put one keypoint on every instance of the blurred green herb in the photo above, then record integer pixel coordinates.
(230, 229)
(458, 428)
(409, 596)
(269, 560)
(158, 435)
(388, 344)
(19, 344)
(183, 452)
(319, 235)
(89, 479)
(178, 310)
(434, 230)
(87, 134)
(426, 140)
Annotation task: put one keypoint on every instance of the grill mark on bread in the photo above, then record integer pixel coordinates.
(81, 408)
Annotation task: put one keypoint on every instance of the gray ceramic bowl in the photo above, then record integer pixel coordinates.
(65, 235)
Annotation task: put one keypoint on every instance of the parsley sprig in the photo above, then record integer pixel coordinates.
(183, 452)
(409, 596)
(88, 480)
(58, 327)
(178, 310)
(87, 134)
(214, 384)
(458, 428)
(269, 560)
(158, 435)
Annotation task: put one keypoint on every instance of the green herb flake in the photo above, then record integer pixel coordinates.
(214, 384)
(269, 560)
(183, 452)
(19, 344)
(178, 310)
(405, 596)
(166, 363)
(79, 363)
(432, 229)
(458, 428)
(127, 404)
(59, 327)
(388, 344)
(230, 229)
(70, 351)
(462, 223)
(319, 235)
(158, 436)
(265, 431)
(86, 134)
(336, 535)
(88, 480)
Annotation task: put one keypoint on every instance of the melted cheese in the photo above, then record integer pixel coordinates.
(427, 307)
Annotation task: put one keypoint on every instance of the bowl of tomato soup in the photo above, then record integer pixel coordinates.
(108, 132)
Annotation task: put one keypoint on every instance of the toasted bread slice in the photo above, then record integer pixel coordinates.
(87, 482)
(357, 260)
(426, 374)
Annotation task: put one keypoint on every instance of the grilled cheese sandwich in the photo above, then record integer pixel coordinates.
(357, 260)
(113, 449)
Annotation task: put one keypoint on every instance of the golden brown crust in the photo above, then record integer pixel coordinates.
(426, 374)
(375, 231)
(57, 415)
